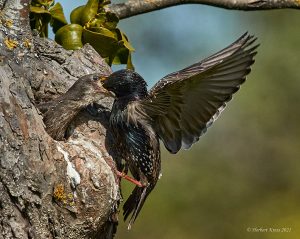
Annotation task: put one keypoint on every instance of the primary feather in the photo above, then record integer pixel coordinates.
(183, 104)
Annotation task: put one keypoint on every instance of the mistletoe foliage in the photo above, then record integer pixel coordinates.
(90, 23)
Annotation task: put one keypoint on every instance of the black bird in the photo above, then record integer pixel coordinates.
(177, 110)
(59, 113)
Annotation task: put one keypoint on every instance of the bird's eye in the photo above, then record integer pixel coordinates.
(96, 77)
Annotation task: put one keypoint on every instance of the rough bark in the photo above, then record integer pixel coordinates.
(49, 189)
(135, 7)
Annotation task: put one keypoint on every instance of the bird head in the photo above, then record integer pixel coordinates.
(126, 83)
(88, 89)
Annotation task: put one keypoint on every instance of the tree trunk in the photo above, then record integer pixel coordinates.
(48, 188)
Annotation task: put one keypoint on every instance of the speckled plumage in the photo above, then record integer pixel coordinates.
(177, 110)
(139, 146)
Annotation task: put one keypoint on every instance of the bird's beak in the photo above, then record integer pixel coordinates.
(104, 91)
(103, 78)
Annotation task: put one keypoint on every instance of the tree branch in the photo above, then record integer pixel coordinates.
(136, 7)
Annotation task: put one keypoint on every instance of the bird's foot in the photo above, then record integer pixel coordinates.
(130, 179)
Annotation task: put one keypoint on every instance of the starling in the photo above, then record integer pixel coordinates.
(59, 113)
(177, 110)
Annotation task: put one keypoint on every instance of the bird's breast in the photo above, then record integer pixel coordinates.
(138, 142)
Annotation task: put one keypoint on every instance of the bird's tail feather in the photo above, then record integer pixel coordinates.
(135, 202)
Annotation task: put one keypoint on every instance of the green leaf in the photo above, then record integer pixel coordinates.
(104, 41)
(70, 36)
(39, 19)
(39, 10)
(45, 3)
(129, 62)
(98, 21)
(57, 13)
(58, 18)
(89, 12)
(123, 56)
(76, 15)
(105, 32)
(126, 42)
(111, 20)
(102, 3)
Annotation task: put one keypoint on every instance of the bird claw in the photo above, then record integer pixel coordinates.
(130, 179)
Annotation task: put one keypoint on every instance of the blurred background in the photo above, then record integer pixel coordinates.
(245, 171)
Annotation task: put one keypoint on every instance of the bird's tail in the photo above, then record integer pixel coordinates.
(135, 202)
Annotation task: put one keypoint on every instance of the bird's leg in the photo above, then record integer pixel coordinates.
(130, 179)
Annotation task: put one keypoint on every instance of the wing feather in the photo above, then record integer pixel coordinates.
(183, 104)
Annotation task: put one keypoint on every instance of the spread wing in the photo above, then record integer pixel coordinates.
(183, 104)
